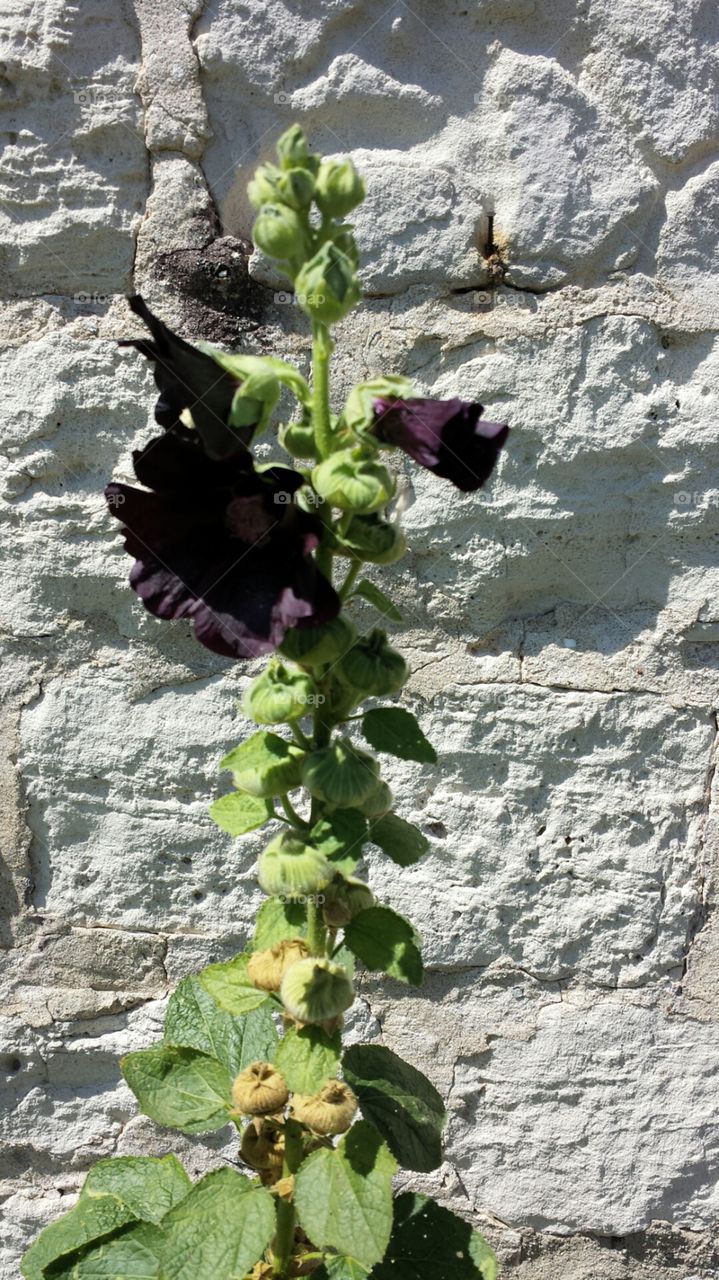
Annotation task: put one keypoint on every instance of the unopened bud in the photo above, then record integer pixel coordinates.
(378, 803)
(315, 646)
(327, 1112)
(293, 151)
(372, 667)
(373, 539)
(262, 1148)
(327, 286)
(339, 188)
(316, 990)
(298, 438)
(341, 774)
(266, 969)
(290, 868)
(279, 695)
(279, 231)
(352, 481)
(345, 896)
(259, 1090)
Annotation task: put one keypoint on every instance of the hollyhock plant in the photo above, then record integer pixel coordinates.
(262, 558)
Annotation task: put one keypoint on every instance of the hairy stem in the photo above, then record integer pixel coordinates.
(283, 1243)
(292, 813)
(316, 934)
(350, 580)
(321, 351)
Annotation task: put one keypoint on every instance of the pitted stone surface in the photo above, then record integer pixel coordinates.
(562, 628)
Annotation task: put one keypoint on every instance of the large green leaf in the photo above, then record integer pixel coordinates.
(370, 592)
(230, 986)
(180, 1088)
(431, 1243)
(340, 837)
(400, 840)
(195, 1021)
(401, 1103)
(134, 1254)
(341, 1267)
(277, 921)
(383, 940)
(343, 1196)
(90, 1220)
(308, 1057)
(394, 730)
(148, 1186)
(219, 1231)
(239, 813)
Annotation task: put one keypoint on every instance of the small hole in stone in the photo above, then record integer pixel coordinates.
(198, 895)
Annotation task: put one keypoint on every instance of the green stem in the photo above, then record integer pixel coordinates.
(350, 580)
(316, 935)
(300, 738)
(321, 351)
(292, 813)
(284, 1241)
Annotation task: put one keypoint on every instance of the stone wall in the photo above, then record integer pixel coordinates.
(540, 234)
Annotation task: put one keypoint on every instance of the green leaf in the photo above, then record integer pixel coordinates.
(90, 1220)
(383, 940)
(343, 1195)
(340, 837)
(230, 987)
(341, 1267)
(239, 813)
(308, 1057)
(396, 731)
(219, 1231)
(132, 1255)
(195, 1021)
(400, 840)
(148, 1186)
(400, 1102)
(179, 1088)
(431, 1243)
(266, 765)
(276, 921)
(372, 594)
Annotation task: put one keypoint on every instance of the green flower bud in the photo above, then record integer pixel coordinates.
(378, 803)
(294, 152)
(327, 286)
(359, 413)
(345, 241)
(291, 869)
(316, 990)
(353, 482)
(372, 667)
(314, 646)
(373, 539)
(279, 695)
(280, 232)
(296, 188)
(341, 774)
(298, 438)
(344, 897)
(262, 189)
(264, 765)
(339, 188)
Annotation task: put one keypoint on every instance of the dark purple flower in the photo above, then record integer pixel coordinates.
(446, 436)
(222, 544)
(189, 379)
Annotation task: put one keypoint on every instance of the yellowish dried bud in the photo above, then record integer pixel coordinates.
(266, 969)
(263, 1148)
(330, 1111)
(259, 1090)
(285, 1187)
(261, 1271)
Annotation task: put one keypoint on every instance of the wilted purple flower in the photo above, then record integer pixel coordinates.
(222, 544)
(446, 436)
(190, 379)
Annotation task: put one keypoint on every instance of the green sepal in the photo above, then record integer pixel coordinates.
(340, 774)
(383, 940)
(265, 765)
(180, 1088)
(352, 481)
(326, 286)
(314, 646)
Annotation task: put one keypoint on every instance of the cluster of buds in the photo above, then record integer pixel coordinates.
(301, 205)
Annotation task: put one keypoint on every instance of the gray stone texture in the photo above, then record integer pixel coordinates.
(540, 234)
